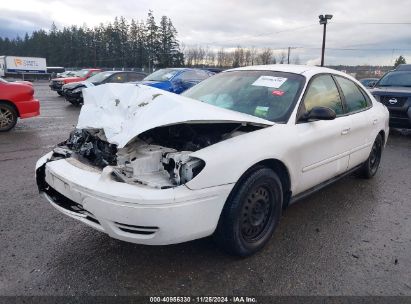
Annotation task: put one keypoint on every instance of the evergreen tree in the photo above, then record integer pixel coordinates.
(118, 44)
(400, 60)
(152, 40)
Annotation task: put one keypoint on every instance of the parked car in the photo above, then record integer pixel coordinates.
(403, 67)
(73, 91)
(369, 82)
(16, 101)
(224, 158)
(213, 70)
(54, 71)
(394, 91)
(56, 84)
(66, 74)
(176, 80)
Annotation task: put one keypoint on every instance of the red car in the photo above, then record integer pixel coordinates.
(16, 100)
(56, 84)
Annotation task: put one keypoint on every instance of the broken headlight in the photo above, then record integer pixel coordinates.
(156, 166)
(181, 167)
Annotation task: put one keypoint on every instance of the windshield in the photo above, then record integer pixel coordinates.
(396, 79)
(67, 74)
(100, 77)
(265, 94)
(82, 73)
(162, 75)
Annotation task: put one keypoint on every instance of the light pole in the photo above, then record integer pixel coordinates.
(323, 20)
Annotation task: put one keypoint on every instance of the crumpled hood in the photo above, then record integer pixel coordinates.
(124, 111)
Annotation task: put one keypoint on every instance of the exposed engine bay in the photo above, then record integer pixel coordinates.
(158, 158)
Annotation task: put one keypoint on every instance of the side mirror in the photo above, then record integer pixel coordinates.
(319, 113)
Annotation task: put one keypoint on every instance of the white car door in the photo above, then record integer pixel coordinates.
(359, 108)
(323, 144)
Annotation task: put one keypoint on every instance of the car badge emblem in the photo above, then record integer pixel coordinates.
(393, 101)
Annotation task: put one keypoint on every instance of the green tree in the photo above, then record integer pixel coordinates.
(152, 39)
(117, 44)
(169, 51)
(400, 60)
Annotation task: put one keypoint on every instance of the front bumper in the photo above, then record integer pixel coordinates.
(29, 108)
(400, 118)
(73, 97)
(131, 213)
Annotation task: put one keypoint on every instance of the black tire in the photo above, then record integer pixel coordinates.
(371, 165)
(8, 117)
(75, 103)
(251, 213)
(60, 93)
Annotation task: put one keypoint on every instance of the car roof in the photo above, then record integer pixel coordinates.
(182, 69)
(139, 72)
(306, 70)
(403, 67)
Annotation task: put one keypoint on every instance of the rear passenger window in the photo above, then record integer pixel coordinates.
(323, 92)
(354, 98)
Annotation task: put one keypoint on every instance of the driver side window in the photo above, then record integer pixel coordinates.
(117, 78)
(323, 92)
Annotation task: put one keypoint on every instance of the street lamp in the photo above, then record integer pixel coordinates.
(323, 20)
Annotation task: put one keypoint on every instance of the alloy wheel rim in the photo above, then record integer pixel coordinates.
(6, 118)
(256, 213)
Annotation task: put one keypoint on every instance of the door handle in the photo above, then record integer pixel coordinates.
(345, 131)
(374, 122)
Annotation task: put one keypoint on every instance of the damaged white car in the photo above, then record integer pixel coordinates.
(151, 167)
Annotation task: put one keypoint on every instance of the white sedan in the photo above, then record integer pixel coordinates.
(225, 158)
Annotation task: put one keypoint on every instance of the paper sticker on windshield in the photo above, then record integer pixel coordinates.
(269, 81)
(261, 111)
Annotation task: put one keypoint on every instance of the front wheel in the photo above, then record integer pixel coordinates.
(75, 103)
(251, 213)
(8, 117)
(371, 165)
(60, 93)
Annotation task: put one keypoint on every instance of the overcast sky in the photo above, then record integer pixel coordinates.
(259, 23)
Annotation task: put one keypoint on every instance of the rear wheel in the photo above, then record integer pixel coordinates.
(8, 117)
(371, 165)
(251, 213)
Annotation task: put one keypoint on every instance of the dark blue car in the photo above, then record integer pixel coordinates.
(176, 80)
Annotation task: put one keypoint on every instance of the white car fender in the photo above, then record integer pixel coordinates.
(228, 160)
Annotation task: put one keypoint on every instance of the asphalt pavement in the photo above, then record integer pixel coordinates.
(352, 238)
